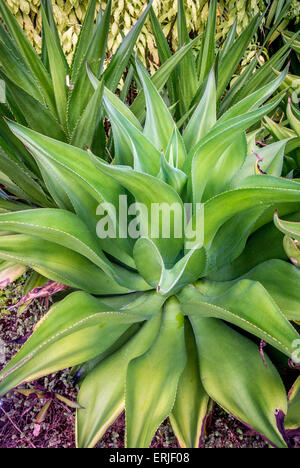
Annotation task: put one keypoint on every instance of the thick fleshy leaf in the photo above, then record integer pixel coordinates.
(58, 69)
(32, 112)
(290, 228)
(206, 154)
(159, 123)
(170, 174)
(287, 36)
(95, 54)
(203, 117)
(279, 278)
(132, 147)
(68, 230)
(151, 388)
(10, 272)
(73, 168)
(259, 190)
(207, 56)
(254, 100)
(17, 72)
(189, 413)
(29, 55)
(84, 39)
(234, 375)
(102, 394)
(264, 244)
(151, 266)
(159, 79)
(187, 75)
(85, 130)
(176, 153)
(264, 74)
(292, 420)
(294, 121)
(79, 318)
(270, 160)
(58, 263)
(47, 4)
(248, 305)
(19, 175)
(119, 62)
(152, 192)
(164, 53)
(279, 132)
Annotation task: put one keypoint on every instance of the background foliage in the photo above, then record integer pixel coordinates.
(70, 13)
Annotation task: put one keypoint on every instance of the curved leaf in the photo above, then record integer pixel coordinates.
(150, 400)
(234, 375)
(102, 394)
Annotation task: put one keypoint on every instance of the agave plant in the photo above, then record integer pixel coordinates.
(164, 323)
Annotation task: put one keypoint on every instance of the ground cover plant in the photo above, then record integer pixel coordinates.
(158, 320)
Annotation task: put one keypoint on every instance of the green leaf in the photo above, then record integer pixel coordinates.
(157, 112)
(279, 132)
(170, 174)
(53, 346)
(270, 162)
(85, 129)
(206, 58)
(278, 277)
(119, 62)
(292, 420)
(102, 394)
(159, 79)
(58, 69)
(18, 73)
(68, 230)
(203, 117)
(152, 193)
(294, 122)
(288, 227)
(206, 154)
(73, 168)
(24, 179)
(187, 74)
(232, 58)
(167, 280)
(264, 244)
(234, 375)
(10, 272)
(95, 54)
(36, 115)
(256, 190)
(143, 391)
(189, 413)
(58, 263)
(249, 306)
(84, 39)
(47, 4)
(132, 147)
(254, 100)
(29, 55)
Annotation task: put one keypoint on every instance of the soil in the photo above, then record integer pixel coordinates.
(18, 413)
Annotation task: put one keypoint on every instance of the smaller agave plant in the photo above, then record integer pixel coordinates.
(162, 325)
